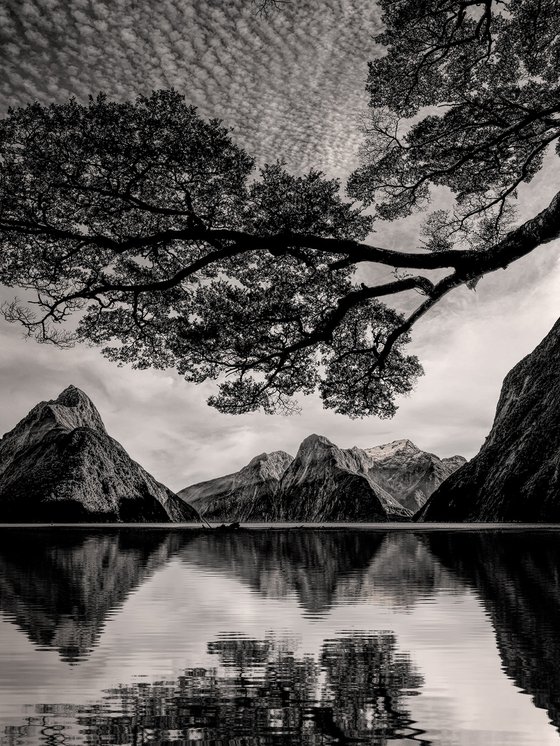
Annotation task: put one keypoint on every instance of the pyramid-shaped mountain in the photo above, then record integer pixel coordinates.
(60, 465)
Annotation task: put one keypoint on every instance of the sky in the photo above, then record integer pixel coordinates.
(290, 84)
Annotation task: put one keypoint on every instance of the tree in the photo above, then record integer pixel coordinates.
(467, 98)
(151, 225)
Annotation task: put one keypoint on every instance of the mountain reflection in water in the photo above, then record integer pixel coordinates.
(60, 585)
(518, 578)
(145, 635)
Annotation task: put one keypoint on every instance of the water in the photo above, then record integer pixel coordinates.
(158, 636)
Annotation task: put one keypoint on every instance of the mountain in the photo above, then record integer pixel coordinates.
(409, 474)
(516, 474)
(327, 483)
(60, 465)
(245, 495)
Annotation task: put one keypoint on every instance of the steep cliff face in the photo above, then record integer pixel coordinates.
(516, 474)
(59, 464)
(327, 483)
(245, 495)
(409, 474)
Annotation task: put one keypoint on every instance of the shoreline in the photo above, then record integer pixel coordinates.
(404, 526)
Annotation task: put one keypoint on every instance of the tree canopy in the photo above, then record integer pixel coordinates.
(152, 227)
(466, 98)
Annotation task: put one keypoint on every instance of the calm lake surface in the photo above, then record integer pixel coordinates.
(279, 636)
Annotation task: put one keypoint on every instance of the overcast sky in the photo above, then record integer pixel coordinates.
(290, 84)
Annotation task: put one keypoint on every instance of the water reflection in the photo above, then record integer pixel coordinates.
(324, 567)
(279, 637)
(308, 563)
(260, 694)
(518, 578)
(60, 586)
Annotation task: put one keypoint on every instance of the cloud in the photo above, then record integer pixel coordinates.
(290, 85)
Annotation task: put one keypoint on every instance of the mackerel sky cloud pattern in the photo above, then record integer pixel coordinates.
(289, 82)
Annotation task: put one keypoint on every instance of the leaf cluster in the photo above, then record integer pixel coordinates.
(152, 224)
(466, 98)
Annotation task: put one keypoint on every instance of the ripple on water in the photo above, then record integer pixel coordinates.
(129, 636)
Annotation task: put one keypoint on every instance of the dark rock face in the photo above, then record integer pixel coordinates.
(409, 474)
(326, 483)
(60, 465)
(245, 495)
(516, 474)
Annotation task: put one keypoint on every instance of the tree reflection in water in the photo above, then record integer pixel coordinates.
(261, 693)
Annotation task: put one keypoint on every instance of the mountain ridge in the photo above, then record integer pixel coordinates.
(250, 491)
(325, 483)
(58, 464)
(410, 474)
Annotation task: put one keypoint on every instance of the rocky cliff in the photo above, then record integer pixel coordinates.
(409, 474)
(327, 483)
(245, 495)
(60, 465)
(516, 474)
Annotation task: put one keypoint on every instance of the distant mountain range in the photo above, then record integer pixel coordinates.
(325, 483)
(60, 465)
(514, 478)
